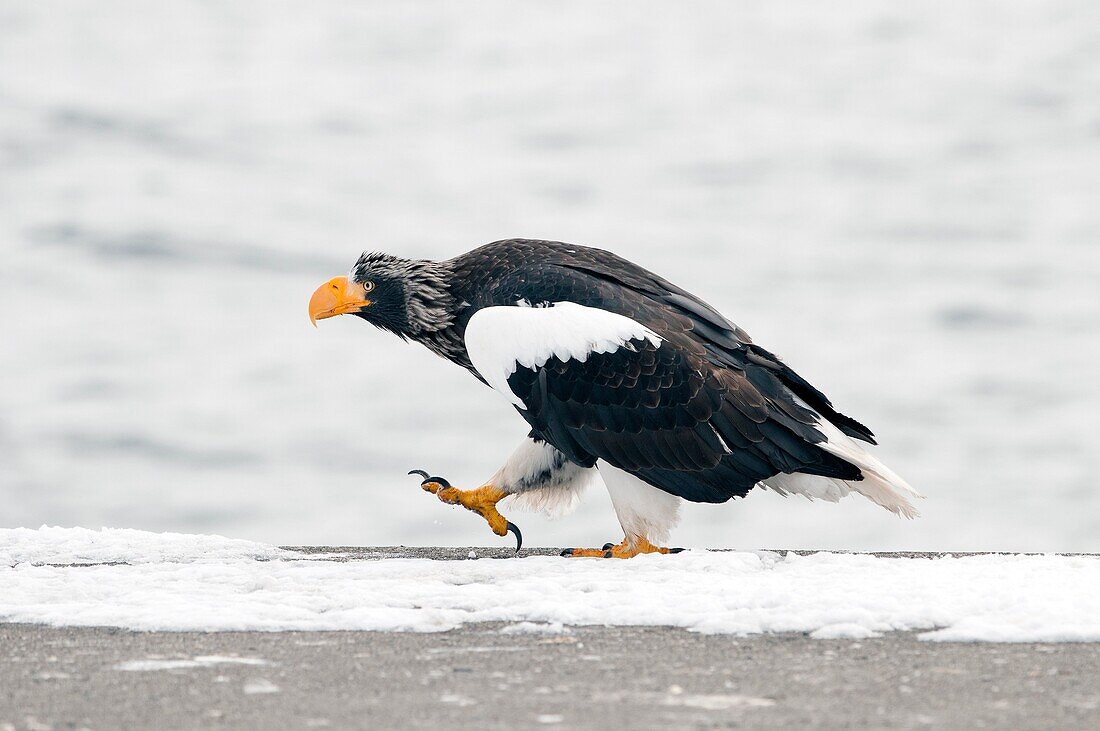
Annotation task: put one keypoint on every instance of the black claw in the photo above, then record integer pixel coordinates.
(519, 536)
(676, 550)
(608, 545)
(607, 554)
(566, 552)
(430, 478)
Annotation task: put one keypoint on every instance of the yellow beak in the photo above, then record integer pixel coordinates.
(335, 297)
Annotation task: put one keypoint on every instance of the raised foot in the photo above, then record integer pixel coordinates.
(628, 548)
(482, 501)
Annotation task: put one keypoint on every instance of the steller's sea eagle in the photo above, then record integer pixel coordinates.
(618, 370)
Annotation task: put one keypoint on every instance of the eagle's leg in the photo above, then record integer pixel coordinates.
(537, 474)
(482, 501)
(629, 547)
(646, 514)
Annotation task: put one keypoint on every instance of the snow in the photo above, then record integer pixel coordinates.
(201, 661)
(215, 584)
(535, 628)
(53, 545)
(716, 702)
(260, 686)
(843, 631)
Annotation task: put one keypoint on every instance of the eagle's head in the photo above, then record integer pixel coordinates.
(408, 297)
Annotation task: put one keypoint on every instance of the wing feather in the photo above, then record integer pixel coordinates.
(654, 381)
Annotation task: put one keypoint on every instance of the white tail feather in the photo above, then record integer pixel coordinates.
(811, 487)
(880, 484)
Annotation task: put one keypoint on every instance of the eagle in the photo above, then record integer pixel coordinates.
(616, 370)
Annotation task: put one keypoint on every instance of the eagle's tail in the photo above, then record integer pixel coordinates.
(880, 484)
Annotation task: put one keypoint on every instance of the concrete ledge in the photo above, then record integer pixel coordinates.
(452, 553)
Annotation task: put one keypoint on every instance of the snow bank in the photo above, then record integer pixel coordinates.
(52, 545)
(175, 582)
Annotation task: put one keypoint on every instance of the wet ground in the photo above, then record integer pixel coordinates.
(477, 677)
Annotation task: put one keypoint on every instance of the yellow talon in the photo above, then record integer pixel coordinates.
(482, 501)
(629, 547)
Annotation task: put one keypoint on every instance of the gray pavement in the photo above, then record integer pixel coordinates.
(479, 677)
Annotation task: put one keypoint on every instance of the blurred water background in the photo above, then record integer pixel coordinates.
(903, 200)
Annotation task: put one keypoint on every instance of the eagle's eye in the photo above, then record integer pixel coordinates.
(368, 286)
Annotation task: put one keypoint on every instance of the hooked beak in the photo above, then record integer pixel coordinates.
(337, 296)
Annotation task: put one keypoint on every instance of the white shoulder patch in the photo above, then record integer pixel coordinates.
(499, 339)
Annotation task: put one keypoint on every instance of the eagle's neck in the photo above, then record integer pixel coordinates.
(447, 343)
(432, 307)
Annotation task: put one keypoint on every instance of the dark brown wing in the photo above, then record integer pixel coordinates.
(697, 421)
